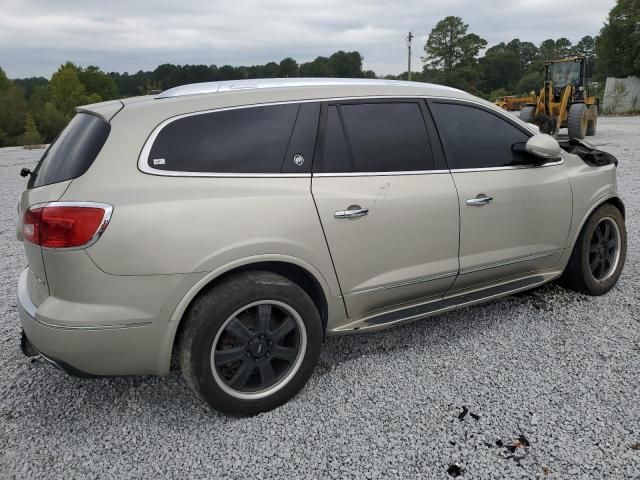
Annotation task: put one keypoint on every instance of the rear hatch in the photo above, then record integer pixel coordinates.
(68, 157)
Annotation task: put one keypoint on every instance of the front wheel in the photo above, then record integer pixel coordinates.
(577, 121)
(251, 343)
(593, 123)
(599, 253)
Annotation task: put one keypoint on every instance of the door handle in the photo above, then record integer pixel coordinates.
(479, 201)
(354, 211)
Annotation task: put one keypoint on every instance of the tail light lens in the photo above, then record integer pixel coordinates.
(65, 224)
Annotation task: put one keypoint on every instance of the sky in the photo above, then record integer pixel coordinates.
(37, 36)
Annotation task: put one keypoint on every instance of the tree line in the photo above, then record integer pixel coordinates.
(34, 110)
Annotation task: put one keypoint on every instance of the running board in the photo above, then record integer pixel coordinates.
(457, 301)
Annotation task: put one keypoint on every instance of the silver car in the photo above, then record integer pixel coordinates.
(237, 223)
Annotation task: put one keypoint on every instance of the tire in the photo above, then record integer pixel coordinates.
(577, 121)
(593, 124)
(526, 114)
(228, 318)
(579, 274)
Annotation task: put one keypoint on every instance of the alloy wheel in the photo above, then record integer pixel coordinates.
(604, 249)
(258, 349)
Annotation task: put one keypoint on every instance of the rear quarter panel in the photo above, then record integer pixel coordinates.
(167, 225)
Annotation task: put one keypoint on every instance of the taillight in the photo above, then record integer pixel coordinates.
(65, 224)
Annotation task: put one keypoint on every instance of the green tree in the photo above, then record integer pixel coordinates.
(49, 120)
(346, 64)
(501, 68)
(449, 45)
(271, 70)
(555, 49)
(288, 68)
(4, 81)
(31, 136)
(618, 45)
(527, 52)
(66, 89)
(29, 85)
(13, 110)
(532, 81)
(563, 47)
(97, 82)
(586, 48)
(320, 67)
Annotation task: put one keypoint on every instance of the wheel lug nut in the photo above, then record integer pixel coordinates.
(269, 342)
(248, 354)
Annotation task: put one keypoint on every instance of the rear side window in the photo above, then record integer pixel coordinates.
(244, 140)
(73, 152)
(475, 138)
(376, 137)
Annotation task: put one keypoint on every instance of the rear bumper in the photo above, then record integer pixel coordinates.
(88, 350)
(30, 351)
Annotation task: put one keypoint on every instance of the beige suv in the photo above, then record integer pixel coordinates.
(238, 223)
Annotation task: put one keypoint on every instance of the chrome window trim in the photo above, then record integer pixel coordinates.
(106, 218)
(509, 167)
(380, 174)
(143, 158)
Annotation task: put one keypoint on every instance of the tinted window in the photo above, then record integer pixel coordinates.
(245, 140)
(303, 140)
(335, 155)
(73, 152)
(387, 137)
(475, 138)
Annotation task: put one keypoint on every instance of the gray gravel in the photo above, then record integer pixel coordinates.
(551, 374)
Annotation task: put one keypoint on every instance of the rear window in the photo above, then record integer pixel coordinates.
(244, 140)
(73, 152)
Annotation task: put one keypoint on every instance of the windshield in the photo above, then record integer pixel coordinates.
(565, 73)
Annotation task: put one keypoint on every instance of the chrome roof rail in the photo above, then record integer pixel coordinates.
(260, 83)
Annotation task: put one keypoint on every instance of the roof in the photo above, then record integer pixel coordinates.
(271, 83)
(200, 97)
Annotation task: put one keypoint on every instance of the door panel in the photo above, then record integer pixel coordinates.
(524, 228)
(514, 216)
(404, 249)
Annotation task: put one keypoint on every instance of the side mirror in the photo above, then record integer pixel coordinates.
(543, 146)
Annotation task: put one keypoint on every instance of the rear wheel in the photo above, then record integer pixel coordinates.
(577, 120)
(526, 114)
(593, 123)
(599, 254)
(251, 343)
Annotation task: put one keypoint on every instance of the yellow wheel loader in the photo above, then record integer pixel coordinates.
(565, 99)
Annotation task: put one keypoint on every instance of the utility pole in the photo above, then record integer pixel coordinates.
(408, 39)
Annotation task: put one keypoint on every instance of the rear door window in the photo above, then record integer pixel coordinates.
(73, 152)
(243, 140)
(376, 137)
(335, 155)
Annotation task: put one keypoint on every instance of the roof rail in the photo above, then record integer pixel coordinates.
(260, 83)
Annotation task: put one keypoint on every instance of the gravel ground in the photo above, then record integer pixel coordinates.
(549, 380)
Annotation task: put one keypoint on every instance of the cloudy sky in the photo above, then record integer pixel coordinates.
(36, 36)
